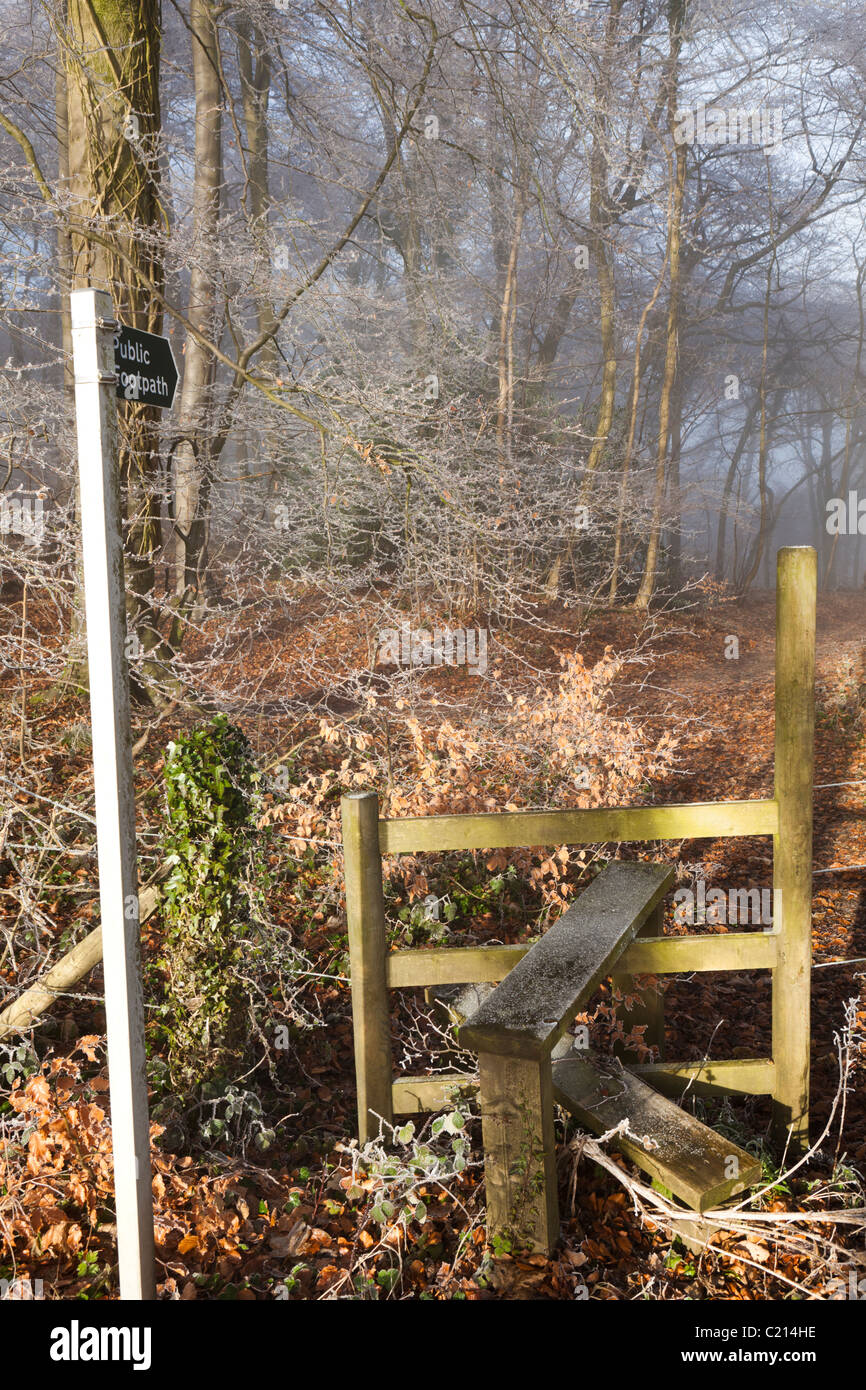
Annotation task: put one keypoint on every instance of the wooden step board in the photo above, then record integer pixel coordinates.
(457, 1003)
(684, 1155)
(527, 1013)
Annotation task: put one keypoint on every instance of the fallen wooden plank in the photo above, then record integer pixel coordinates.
(603, 825)
(23, 1011)
(527, 1013)
(696, 1164)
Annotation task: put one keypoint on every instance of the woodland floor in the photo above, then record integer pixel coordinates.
(280, 1224)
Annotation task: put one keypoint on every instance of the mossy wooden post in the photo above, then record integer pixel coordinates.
(649, 1010)
(365, 911)
(519, 1151)
(796, 578)
(515, 1029)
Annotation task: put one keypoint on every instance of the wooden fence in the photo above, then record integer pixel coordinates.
(785, 949)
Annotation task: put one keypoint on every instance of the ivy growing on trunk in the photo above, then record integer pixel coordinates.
(213, 896)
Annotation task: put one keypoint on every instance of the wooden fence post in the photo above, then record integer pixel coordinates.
(796, 581)
(365, 911)
(519, 1150)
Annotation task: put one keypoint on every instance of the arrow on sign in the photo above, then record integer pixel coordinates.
(145, 367)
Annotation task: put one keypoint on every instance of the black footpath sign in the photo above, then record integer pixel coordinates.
(145, 367)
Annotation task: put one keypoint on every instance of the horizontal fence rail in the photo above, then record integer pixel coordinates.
(650, 955)
(415, 1095)
(601, 825)
(755, 1076)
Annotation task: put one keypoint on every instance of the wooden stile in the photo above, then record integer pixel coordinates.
(785, 949)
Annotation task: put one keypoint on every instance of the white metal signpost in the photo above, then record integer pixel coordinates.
(93, 343)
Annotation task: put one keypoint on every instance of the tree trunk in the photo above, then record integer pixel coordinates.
(75, 673)
(602, 215)
(113, 121)
(254, 67)
(254, 64)
(674, 497)
(745, 434)
(628, 452)
(644, 595)
(191, 453)
(505, 360)
(677, 14)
